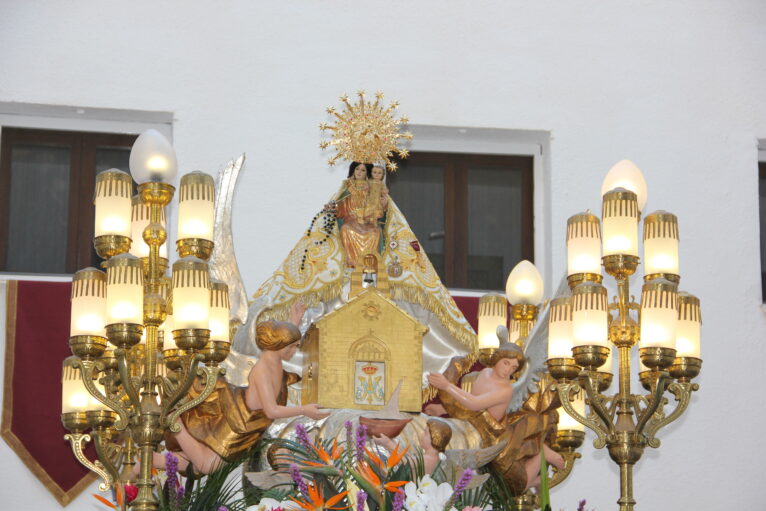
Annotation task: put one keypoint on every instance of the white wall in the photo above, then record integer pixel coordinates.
(675, 86)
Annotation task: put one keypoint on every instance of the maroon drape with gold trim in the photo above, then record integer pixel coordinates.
(37, 330)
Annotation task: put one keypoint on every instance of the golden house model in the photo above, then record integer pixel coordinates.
(356, 355)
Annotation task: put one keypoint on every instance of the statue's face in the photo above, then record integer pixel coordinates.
(505, 367)
(288, 352)
(377, 173)
(360, 172)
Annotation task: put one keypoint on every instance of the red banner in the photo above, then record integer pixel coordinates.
(37, 329)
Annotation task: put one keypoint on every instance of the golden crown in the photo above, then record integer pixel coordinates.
(366, 132)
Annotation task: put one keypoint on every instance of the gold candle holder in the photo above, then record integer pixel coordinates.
(568, 440)
(172, 359)
(101, 420)
(75, 422)
(87, 347)
(661, 238)
(590, 357)
(191, 339)
(657, 357)
(110, 245)
(620, 266)
(563, 369)
(197, 247)
(124, 335)
(684, 369)
(216, 352)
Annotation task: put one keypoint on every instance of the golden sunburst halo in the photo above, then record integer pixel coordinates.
(367, 132)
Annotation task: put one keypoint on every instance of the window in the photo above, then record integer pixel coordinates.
(762, 214)
(472, 213)
(46, 196)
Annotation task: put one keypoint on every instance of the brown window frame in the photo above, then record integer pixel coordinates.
(82, 175)
(456, 166)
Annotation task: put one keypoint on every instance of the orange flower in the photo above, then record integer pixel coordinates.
(315, 500)
(396, 456)
(326, 457)
(372, 478)
(104, 501)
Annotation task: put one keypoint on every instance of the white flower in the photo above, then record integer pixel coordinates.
(268, 504)
(427, 495)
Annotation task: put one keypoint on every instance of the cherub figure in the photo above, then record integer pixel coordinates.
(377, 200)
(485, 407)
(233, 418)
(433, 443)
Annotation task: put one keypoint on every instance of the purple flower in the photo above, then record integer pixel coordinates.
(398, 501)
(303, 437)
(361, 440)
(581, 506)
(462, 483)
(181, 492)
(361, 500)
(295, 473)
(223, 508)
(171, 466)
(349, 435)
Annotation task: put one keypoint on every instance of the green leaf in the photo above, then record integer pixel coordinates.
(545, 495)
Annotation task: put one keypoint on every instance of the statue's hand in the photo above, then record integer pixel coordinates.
(438, 380)
(312, 411)
(385, 442)
(297, 310)
(435, 410)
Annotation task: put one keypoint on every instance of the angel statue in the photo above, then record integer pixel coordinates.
(233, 418)
(485, 406)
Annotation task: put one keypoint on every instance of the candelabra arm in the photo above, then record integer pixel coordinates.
(183, 386)
(565, 390)
(127, 382)
(108, 455)
(86, 373)
(77, 440)
(597, 404)
(657, 398)
(683, 394)
(210, 375)
(560, 475)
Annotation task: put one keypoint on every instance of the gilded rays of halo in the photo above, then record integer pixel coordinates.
(366, 132)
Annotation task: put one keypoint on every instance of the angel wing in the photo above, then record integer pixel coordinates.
(223, 262)
(536, 353)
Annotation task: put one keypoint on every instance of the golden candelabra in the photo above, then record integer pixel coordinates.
(665, 325)
(524, 291)
(122, 319)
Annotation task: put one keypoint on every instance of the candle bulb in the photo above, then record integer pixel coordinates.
(661, 246)
(152, 158)
(689, 324)
(560, 340)
(196, 206)
(124, 290)
(659, 314)
(74, 396)
(583, 244)
(219, 311)
(88, 314)
(589, 315)
(625, 174)
(493, 312)
(620, 222)
(191, 298)
(524, 285)
(112, 201)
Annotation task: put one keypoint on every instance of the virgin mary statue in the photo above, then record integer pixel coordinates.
(360, 218)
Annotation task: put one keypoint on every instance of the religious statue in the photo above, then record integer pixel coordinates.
(359, 207)
(232, 419)
(485, 406)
